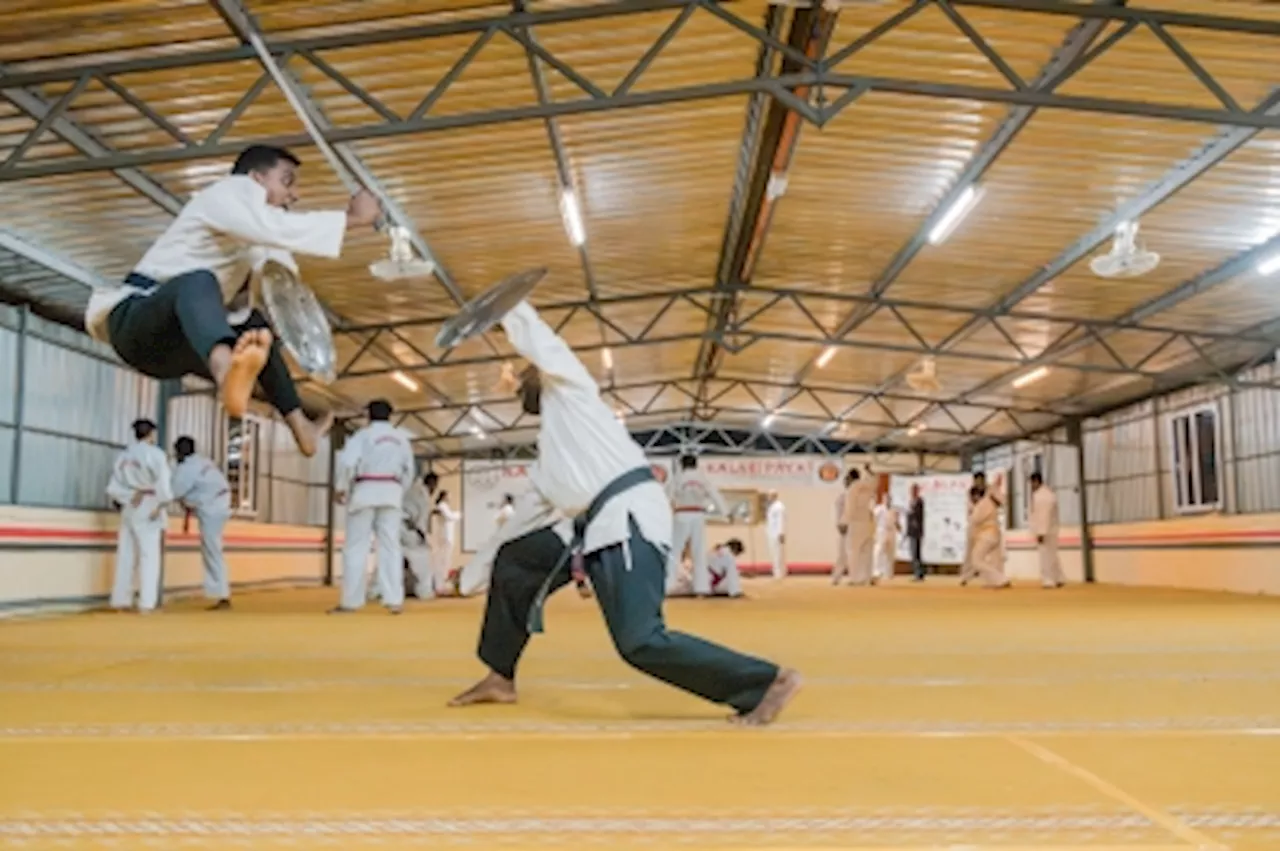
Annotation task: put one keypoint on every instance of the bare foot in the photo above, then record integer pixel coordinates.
(308, 433)
(492, 689)
(784, 688)
(247, 359)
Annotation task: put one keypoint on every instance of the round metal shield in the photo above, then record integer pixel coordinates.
(299, 321)
(487, 309)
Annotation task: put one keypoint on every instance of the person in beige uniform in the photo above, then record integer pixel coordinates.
(987, 554)
(1044, 525)
(841, 564)
(859, 519)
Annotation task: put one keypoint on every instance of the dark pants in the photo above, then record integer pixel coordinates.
(631, 601)
(170, 331)
(917, 562)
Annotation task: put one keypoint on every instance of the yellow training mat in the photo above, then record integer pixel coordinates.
(933, 717)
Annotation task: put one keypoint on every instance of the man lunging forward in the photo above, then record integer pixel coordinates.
(170, 317)
(590, 469)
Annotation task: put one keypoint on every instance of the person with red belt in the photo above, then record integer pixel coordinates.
(374, 473)
(201, 489)
(140, 485)
(691, 495)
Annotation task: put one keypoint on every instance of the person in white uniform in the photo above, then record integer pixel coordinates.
(141, 485)
(775, 534)
(841, 563)
(201, 489)
(691, 495)
(987, 556)
(374, 471)
(445, 521)
(726, 581)
(531, 512)
(976, 491)
(415, 539)
(1044, 525)
(590, 469)
(888, 526)
(859, 519)
(504, 513)
(170, 317)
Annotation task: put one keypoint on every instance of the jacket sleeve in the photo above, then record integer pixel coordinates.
(239, 208)
(534, 340)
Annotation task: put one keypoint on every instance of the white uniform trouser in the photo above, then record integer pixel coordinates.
(689, 528)
(138, 549)
(217, 579)
(987, 560)
(419, 558)
(442, 562)
(777, 556)
(885, 556)
(841, 565)
(861, 544)
(1051, 574)
(363, 525)
(726, 579)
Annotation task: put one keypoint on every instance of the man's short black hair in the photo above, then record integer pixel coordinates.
(262, 158)
(184, 445)
(431, 480)
(688, 462)
(734, 546)
(1037, 478)
(379, 410)
(508, 499)
(143, 428)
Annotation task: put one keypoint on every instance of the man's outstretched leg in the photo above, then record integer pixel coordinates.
(519, 569)
(629, 582)
(277, 385)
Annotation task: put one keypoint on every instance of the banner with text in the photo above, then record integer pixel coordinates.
(486, 483)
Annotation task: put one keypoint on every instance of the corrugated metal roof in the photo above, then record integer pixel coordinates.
(656, 169)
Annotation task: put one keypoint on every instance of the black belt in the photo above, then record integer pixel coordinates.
(573, 553)
(140, 282)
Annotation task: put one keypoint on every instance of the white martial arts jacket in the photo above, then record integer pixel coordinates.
(888, 523)
(375, 467)
(690, 490)
(1044, 514)
(417, 510)
(775, 520)
(200, 486)
(141, 468)
(448, 522)
(504, 514)
(582, 447)
(860, 502)
(229, 229)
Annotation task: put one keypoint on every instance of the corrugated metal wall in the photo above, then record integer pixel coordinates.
(78, 403)
(1128, 462)
(1057, 465)
(76, 410)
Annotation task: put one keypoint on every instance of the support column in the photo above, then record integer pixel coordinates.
(1075, 434)
(169, 389)
(19, 403)
(335, 437)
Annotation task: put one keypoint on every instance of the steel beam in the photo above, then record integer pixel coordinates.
(50, 260)
(1067, 59)
(770, 149)
(813, 74)
(579, 13)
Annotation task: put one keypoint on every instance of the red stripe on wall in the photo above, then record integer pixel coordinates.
(44, 533)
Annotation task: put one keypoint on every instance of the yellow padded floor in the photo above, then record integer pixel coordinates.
(933, 717)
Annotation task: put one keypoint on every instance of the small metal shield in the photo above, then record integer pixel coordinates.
(487, 309)
(299, 321)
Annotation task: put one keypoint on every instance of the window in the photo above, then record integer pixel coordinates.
(243, 449)
(1193, 441)
(1027, 464)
